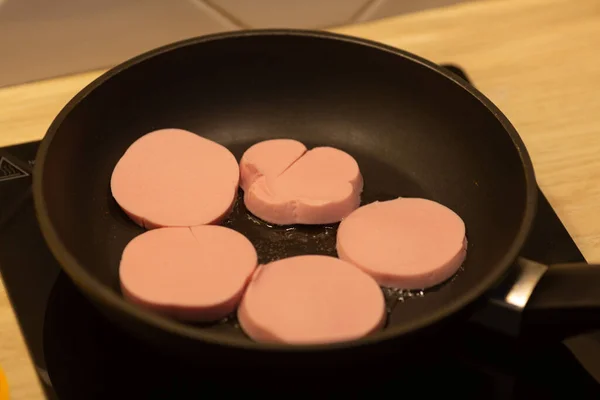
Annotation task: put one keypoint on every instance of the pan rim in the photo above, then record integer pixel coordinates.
(105, 296)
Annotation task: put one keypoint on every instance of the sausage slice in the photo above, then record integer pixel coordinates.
(194, 274)
(311, 299)
(172, 177)
(269, 158)
(319, 186)
(406, 243)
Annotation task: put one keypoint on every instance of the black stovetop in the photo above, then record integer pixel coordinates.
(79, 355)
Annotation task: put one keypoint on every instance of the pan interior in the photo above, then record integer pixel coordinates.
(413, 132)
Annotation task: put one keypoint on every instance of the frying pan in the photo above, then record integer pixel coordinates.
(415, 129)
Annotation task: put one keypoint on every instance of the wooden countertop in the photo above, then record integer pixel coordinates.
(538, 60)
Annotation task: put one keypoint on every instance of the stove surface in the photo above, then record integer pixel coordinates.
(80, 355)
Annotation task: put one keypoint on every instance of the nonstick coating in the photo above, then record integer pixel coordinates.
(414, 130)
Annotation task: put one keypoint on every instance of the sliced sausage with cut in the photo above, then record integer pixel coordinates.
(193, 274)
(311, 299)
(172, 177)
(406, 243)
(319, 186)
(268, 158)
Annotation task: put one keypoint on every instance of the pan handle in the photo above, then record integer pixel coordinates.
(565, 302)
(537, 303)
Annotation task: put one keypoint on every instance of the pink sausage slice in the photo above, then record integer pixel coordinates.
(406, 243)
(311, 300)
(321, 186)
(269, 158)
(193, 274)
(173, 177)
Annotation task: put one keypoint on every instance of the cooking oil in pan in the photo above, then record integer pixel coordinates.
(273, 242)
(394, 296)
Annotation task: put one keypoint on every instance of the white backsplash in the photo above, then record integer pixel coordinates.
(290, 14)
(46, 38)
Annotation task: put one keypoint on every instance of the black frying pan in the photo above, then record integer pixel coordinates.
(414, 128)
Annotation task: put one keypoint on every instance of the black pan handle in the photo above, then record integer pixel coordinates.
(564, 303)
(539, 304)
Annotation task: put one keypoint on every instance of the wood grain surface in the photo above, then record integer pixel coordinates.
(538, 60)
